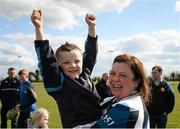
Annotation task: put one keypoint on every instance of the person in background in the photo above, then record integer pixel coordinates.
(9, 96)
(28, 99)
(102, 87)
(130, 90)
(39, 118)
(163, 99)
(178, 87)
(66, 75)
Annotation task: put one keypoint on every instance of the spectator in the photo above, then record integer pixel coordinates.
(102, 87)
(27, 99)
(9, 96)
(163, 99)
(66, 75)
(178, 87)
(39, 118)
(129, 85)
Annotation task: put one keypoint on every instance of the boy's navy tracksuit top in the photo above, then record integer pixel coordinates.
(77, 99)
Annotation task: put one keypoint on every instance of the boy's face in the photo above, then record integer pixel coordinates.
(23, 77)
(71, 63)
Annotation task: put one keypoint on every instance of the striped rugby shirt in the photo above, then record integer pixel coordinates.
(129, 112)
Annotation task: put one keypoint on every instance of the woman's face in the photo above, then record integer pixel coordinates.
(121, 80)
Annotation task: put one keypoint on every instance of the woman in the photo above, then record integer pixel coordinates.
(128, 84)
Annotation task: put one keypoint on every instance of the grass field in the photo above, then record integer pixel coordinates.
(47, 102)
(174, 117)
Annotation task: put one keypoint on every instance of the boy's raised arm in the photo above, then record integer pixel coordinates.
(91, 21)
(37, 20)
(47, 62)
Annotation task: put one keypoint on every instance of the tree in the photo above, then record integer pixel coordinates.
(35, 76)
(173, 75)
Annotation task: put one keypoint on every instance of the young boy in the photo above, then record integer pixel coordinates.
(67, 75)
(27, 99)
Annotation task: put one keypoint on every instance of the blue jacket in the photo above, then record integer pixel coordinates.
(27, 99)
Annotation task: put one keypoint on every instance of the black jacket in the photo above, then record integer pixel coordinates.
(77, 99)
(9, 92)
(163, 99)
(102, 89)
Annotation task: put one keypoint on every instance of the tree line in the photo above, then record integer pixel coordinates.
(35, 77)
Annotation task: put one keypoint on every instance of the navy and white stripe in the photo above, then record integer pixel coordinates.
(129, 112)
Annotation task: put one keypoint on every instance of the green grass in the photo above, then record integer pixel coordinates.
(174, 116)
(44, 100)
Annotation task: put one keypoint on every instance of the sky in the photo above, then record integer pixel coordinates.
(148, 29)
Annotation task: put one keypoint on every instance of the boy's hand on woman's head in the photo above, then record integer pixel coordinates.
(90, 19)
(37, 18)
